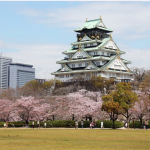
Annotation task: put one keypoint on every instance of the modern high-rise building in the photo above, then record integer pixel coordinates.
(19, 74)
(4, 62)
(94, 53)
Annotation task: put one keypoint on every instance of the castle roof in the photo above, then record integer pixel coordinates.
(91, 24)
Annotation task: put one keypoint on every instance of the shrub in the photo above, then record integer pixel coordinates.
(2, 124)
(137, 124)
(16, 124)
(108, 124)
(86, 124)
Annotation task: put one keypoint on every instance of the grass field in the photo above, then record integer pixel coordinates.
(71, 139)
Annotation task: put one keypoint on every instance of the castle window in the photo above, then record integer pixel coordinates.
(79, 65)
(61, 76)
(73, 65)
(103, 61)
(67, 75)
(85, 45)
(86, 64)
(97, 63)
(79, 56)
(95, 53)
(94, 73)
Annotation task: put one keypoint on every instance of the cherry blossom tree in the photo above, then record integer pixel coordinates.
(79, 104)
(29, 108)
(142, 107)
(6, 110)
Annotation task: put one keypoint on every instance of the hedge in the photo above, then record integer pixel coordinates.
(64, 123)
(137, 124)
(2, 124)
(108, 124)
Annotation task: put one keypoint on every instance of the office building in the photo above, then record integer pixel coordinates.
(4, 62)
(19, 74)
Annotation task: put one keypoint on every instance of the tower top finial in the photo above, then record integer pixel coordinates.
(100, 17)
(86, 19)
(110, 36)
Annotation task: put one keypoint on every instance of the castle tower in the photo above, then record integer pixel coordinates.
(94, 53)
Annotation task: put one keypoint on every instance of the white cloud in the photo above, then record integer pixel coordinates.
(42, 57)
(138, 57)
(128, 20)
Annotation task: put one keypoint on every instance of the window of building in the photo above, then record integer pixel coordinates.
(107, 54)
(61, 76)
(97, 63)
(67, 75)
(95, 53)
(73, 65)
(79, 56)
(85, 45)
(102, 53)
(86, 64)
(103, 61)
(94, 73)
(79, 65)
(91, 44)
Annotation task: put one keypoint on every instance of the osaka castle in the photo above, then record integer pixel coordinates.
(94, 53)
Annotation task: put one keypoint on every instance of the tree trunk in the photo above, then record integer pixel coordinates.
(53, 117)
(113, 120)
(90, 118)
(86, 118)
(113, 124)
(127, 119)
(73, 117)
(141, 120)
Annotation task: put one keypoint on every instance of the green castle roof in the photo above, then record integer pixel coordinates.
(91, 24)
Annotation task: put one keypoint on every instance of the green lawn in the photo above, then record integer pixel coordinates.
(71, 139)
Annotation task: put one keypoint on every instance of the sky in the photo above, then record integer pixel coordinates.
(38, 32)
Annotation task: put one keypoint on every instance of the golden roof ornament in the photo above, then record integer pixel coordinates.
(100, 17)
(117, 51)
(86, 19)
(110, 36)
(118, 57)
(79, 45)
(92, 37)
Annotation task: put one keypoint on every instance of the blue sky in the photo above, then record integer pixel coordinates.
(38, 32)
